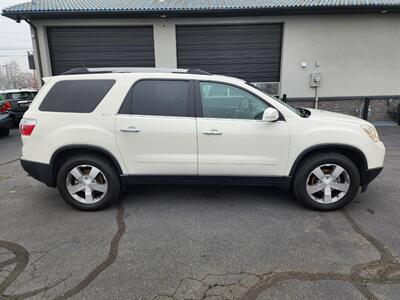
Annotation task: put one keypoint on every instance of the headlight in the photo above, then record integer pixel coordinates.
(371, 131)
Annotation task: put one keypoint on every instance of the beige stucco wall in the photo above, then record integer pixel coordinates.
(359, 55)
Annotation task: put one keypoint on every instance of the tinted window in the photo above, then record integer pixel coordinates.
(226, 101)
(21, 96)
(81, 96)
(161, 98)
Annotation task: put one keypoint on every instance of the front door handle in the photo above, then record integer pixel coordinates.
(212, 132)
(130, 129)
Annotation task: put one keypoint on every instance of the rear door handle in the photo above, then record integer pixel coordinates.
(212, 132)
(130, 129)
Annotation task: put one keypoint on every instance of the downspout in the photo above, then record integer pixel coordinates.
(37, 50)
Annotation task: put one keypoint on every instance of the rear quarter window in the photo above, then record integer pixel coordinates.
(76, 96)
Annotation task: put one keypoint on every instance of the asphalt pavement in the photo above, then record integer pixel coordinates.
(198, 242)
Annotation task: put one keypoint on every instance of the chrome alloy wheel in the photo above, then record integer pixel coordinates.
(87, 184)
(328, 183)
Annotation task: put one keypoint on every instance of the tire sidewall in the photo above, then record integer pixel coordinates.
(304, 171)
(108, 171)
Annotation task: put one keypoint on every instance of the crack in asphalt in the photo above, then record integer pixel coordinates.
(243, 285)
(21, 261)
(385, 270)
(9, 162)
(112, 255)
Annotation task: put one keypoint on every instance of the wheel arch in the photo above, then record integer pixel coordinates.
(70, 150)
(353, 153)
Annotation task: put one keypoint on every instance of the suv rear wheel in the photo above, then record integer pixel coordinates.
(88, 182)
(326, 181)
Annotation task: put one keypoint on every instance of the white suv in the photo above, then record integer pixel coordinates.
(92, 134)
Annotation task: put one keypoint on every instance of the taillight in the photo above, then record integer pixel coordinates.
(26, 126)
(5, 107)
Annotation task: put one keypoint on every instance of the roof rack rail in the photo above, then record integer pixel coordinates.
(198, 72)
(78, 71)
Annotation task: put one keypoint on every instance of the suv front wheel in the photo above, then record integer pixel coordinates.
(88, 182)
(326, 181)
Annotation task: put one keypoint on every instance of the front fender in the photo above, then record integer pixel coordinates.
(308, 135)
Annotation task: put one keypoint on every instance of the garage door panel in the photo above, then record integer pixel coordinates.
(232, 39)
(105, 64)
(229, 29)
(72, 47)
(103, 58)
(235, 65)
(76, 51)
(200, 47)
(248, 51)
(105, 31)
(249, 74)
(230, 54)
(250, 68)
(232, 42)
(110, 41)
(102, 48)
(113, 54)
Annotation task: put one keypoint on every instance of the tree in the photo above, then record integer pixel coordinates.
(11, 77)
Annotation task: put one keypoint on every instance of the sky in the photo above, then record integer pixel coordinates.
(15, 39)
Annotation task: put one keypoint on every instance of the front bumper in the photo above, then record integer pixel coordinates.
(367, 176)
(40, 171)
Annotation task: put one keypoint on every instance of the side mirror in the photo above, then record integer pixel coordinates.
(270, 115)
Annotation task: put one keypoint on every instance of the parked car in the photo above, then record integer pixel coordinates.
(5, 124)
(16, 102)
(92, 134)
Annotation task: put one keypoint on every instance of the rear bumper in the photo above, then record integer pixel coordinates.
(40, 171)
(367, 176)
(5, 122)
(17, 116)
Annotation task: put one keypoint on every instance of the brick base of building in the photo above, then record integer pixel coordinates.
(379, 109)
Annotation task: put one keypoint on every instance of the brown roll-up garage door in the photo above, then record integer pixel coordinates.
(251, 51)
(75, 47)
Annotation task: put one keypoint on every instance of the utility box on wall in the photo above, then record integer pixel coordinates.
(315, 79)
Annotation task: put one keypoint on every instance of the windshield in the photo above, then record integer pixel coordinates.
(293, 109)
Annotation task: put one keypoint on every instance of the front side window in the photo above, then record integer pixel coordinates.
(293, 109)
(229, 102)
(161, 98)
(76, 96)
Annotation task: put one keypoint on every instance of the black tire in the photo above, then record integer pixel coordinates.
(111, 175)
(312, 162)
(4, 132)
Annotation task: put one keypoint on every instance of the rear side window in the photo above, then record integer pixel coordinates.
(76, 96)
(162, 98)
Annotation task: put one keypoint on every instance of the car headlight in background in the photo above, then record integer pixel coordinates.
(371, 131)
